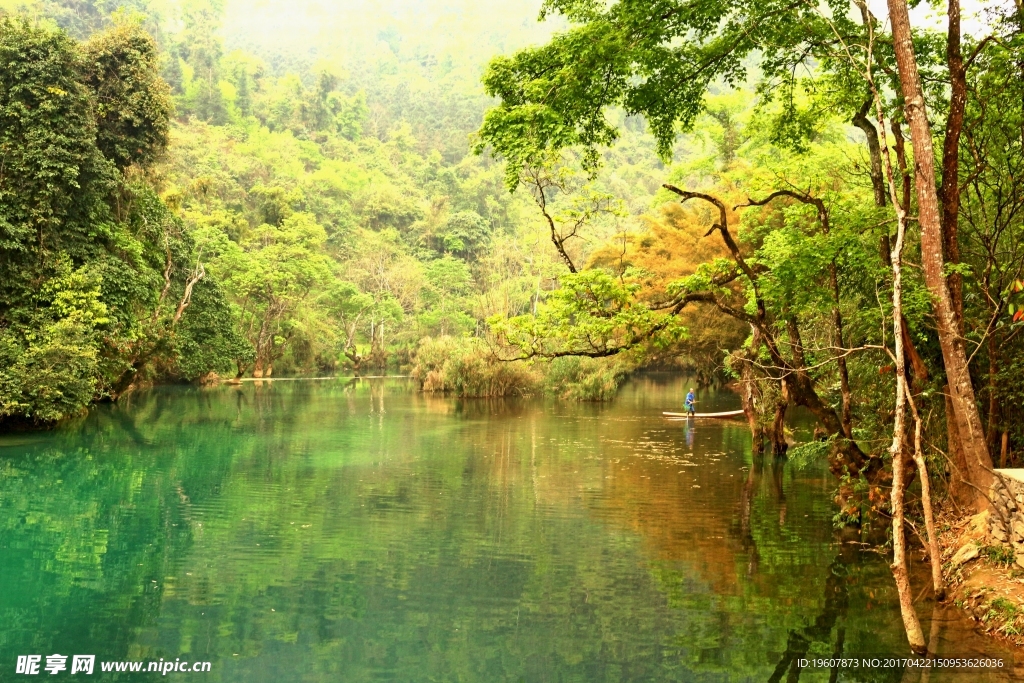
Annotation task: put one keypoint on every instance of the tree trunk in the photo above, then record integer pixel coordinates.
(911, 623)
(186, 300)
(847, 458)
(860, 120)
(949, 191)
(899, 146)
(846, 418)
(977, 461)
(748, 395)
(897, 449)
(959, 488)
(993, 403)
(257, 370)
(778, 435)
(799, 389)
(918, 368)
(931, 540)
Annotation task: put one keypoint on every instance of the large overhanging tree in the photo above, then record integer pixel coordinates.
(657, 59)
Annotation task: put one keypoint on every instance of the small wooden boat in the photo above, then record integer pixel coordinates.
(718, 416)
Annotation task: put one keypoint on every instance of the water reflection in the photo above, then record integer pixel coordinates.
(362, 531)
(799, 641)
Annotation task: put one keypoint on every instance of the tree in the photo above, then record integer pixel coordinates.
(465, 234)
(977, 462)
(97, 273)
(653, 59)
(133, 104)
(54, 184)
(201, 50)
(54, 176)
(83, 18)
(349, 305)
(54, 373)
(272, 274)
(450, 285)
(991, 237)
(207, 339)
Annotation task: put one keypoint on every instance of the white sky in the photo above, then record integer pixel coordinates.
(349, 29)
(973, 14)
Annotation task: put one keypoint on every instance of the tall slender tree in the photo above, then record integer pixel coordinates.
(976, 461)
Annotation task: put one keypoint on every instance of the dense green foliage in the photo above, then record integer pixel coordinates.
(94, 266)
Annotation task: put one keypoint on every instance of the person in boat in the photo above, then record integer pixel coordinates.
(690, 400)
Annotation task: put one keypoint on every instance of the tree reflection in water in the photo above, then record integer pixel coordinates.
(836, 596)
(800, 640)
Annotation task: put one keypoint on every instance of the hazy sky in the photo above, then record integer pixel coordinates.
(973, 13)
(347, 28)
(362, 28)
(301, 24)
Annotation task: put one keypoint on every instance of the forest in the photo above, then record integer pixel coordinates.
(815, 202)
(261, 214)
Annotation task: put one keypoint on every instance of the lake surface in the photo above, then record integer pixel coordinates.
(361, 531)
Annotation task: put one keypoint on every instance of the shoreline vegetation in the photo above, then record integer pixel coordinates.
(826, 215)
(467, 368)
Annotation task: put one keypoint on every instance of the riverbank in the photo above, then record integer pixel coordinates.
(983, 576)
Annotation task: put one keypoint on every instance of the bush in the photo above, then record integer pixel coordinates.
(53, 378)
(999, 554)
(577, 378)
(465, 367)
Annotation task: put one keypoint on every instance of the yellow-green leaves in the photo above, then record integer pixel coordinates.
(591, 314)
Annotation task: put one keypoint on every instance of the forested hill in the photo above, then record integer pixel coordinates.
(417, 62)
(209, 190)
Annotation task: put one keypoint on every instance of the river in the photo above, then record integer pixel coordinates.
(359, 530)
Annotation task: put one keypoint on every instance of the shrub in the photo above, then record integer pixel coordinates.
(999, 554)
(465, 367)
(53, 378)
(577, 378)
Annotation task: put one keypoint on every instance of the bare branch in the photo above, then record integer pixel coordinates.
(198, 274)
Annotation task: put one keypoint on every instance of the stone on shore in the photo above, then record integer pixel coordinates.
(967, 552)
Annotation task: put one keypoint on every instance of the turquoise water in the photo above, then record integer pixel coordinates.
(360, 531)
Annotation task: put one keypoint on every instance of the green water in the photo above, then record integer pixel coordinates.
(361, 531)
